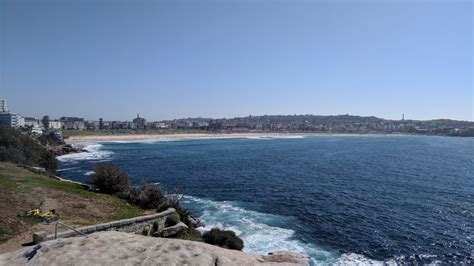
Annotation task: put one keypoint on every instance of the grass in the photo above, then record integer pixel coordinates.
(129, 211)
(22, 181)
(21, 190)
(50, 183)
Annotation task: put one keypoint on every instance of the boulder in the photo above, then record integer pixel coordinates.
(39, 237)
(195, 222)
(173, 230)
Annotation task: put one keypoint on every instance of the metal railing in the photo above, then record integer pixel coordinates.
(65, 225)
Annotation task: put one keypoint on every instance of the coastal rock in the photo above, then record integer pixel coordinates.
(285, 257)
(66, 149)
(195, 222)
(173, 230)
(117, 248)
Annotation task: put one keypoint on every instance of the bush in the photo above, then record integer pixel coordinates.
(20, 148)
(172, 219)
(110, 179)
(189, 234)
(147, 196)
(223, 238)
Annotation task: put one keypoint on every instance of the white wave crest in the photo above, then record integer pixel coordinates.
(357, 259)
(94, 152)
(255, 229)
(276, 137)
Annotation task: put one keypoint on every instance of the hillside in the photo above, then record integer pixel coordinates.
(21, 190)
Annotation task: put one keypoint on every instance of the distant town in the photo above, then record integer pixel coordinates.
(337, 124)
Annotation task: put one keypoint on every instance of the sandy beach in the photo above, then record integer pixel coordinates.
(137, 137)
(132, 137)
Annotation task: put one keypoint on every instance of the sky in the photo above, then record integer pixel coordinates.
(176, 59)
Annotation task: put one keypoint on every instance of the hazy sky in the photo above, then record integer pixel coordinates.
(172, 59)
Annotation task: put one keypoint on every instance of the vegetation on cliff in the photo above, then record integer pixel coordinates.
(20, 148)
(110, 179)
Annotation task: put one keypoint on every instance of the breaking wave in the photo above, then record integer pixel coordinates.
(263, 233)
(94, 152)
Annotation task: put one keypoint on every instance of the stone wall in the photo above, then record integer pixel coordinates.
(133, 225)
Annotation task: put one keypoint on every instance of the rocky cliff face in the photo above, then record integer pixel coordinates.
(117, 248)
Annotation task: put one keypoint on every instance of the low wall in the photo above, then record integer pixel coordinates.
(132, 225)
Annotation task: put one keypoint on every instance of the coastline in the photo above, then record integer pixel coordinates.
(179, 136)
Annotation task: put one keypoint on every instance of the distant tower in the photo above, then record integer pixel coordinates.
(101, 123)
(403, 117)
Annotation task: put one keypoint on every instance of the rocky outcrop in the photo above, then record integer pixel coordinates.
(118, 248)
(66, 149)
(173, 230)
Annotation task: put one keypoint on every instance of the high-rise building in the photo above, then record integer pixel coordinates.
(3, 106)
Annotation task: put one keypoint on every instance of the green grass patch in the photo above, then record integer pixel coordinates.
(126, 211)
(50, 183)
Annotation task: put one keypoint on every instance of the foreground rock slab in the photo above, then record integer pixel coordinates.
(117, 248)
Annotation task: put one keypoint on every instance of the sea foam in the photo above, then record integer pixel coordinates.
(261, 233)
(258, 230)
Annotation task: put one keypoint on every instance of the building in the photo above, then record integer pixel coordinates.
(72, 123)
(12, 120)
(139, 122)
(3, 106)
(56, 124)
(32, 122)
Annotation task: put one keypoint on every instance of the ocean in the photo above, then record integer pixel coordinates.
(339, 199)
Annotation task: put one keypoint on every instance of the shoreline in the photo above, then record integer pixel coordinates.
(181, 136)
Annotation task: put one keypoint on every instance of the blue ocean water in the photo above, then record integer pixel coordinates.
(392, 199)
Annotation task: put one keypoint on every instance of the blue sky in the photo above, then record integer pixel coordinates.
(172, 59)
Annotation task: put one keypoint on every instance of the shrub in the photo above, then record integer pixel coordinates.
(172, 219)
(147, 196)
(189, 234)
(173, 201)
(223, 238)
(110, 179)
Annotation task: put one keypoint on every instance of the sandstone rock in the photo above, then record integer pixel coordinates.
(147, 230)
(173, 230)
(285, 256)
(195, 222)
(118, 248)
(39, 237)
